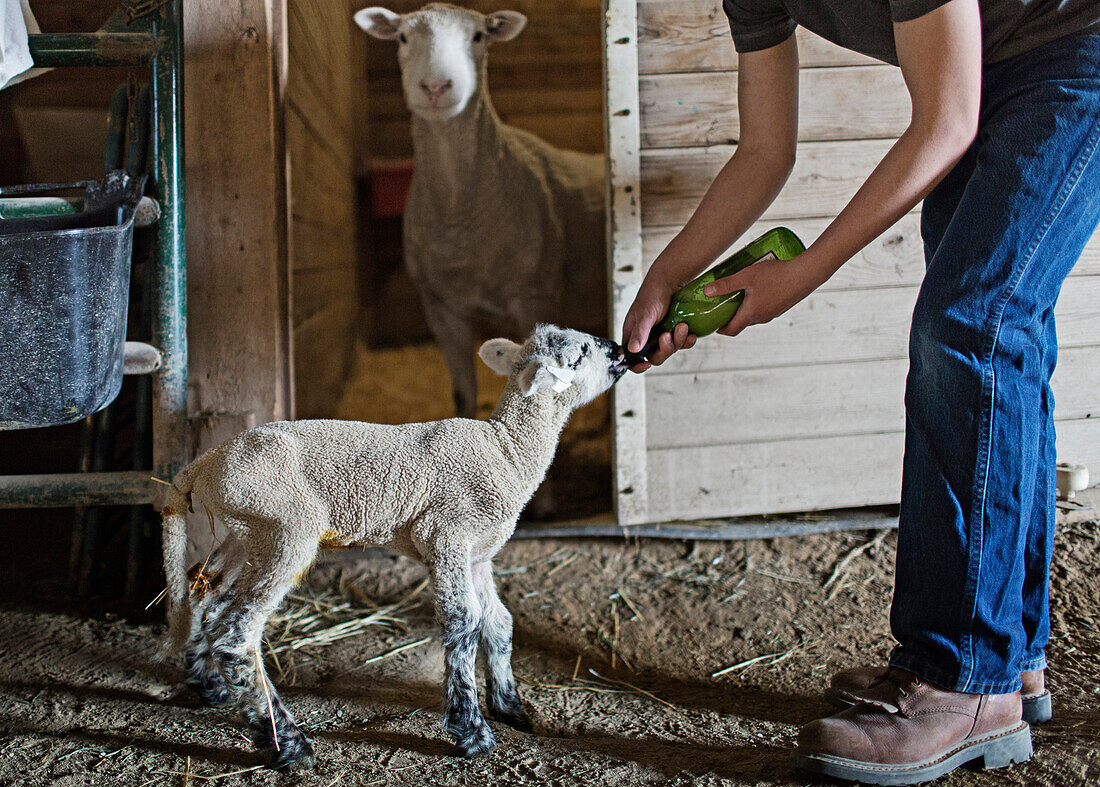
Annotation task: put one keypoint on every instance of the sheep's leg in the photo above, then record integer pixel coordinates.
(455, 336)
(222, 569)
(460, 617)
(236, 634)
(496, 640)
(202, 672)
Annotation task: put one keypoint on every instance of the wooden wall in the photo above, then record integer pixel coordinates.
(547, 81)
(321, 129)
(805, 412)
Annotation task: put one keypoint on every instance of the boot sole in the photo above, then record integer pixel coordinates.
(996, 750)
(1037, 709)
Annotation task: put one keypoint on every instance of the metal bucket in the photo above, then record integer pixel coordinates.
(64, 290)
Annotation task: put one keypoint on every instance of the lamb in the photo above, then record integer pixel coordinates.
(447, 493)
(502, 230)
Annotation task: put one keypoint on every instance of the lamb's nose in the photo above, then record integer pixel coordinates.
(436, 89)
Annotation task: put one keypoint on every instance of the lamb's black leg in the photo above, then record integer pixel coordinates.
(202, 673)
(236, 637)
(496, 640)
(460, 617)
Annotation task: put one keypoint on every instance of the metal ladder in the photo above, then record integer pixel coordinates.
(141, 33)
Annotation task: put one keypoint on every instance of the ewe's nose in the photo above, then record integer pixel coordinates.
(435, 89)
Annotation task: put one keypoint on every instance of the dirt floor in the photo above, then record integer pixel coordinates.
(617, 646)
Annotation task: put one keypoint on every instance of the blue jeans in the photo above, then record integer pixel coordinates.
(1001, 233)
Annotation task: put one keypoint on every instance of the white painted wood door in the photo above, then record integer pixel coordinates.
(806, 412)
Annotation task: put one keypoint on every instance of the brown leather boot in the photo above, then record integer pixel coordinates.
(847, 686)
(907, 731)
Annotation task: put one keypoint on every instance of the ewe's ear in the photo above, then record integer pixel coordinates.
(505, 25)
(379, 22)
(499, 355)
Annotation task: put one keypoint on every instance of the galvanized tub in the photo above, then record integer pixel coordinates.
(64, 290)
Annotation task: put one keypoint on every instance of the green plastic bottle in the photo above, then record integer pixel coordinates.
(705, 315)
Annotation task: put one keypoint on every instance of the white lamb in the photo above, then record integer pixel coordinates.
(502, 230)
(446, 493)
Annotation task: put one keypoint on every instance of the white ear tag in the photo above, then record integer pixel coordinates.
(564, 377)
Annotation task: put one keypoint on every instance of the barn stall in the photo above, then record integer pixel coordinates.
(644, 662)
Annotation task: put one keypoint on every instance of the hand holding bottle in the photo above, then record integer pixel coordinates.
(649, 307)
(771, 288)
(709, 302)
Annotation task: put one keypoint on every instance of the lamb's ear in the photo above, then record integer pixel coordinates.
(505, 25)
(536, 376)
(379, 22)
(499, 355)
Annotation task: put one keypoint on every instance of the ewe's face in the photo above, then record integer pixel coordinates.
(440, 49)
(575, 366)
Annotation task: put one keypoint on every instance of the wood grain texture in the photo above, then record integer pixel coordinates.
(858, 325)
(321, 162)
(684, 110)
(236, 210)
(694, 36)
(624, 247)
(817, 400)
(802, 475)
(895, 258)
(825, 177)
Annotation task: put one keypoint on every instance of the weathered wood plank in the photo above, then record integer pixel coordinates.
(801, 475)
(321, 161)
(817, 400)
(855, 325)
(694, 35)
(318, 289)
(825, 177)
(624, 249)
(854, 102)
(237, 271)
(894, 258)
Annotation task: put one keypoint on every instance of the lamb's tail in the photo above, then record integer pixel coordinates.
(174, 529)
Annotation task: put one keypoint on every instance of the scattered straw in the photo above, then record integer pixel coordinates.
(157, 600)
(842, 565)
(614, 632)
(630, 604)
(783, 577)
(212, 778)
(562, 564)
(632, 688)
(746, 663)
(308, 623)
(388, 654)
(398, 649)
(160, 480)
(576, 668)
(267, 696)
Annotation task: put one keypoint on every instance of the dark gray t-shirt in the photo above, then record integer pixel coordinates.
(1009, 27)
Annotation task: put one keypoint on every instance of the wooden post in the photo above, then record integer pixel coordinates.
(624, 250)
(238, 277)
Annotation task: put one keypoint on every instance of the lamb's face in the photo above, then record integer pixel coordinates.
(440, 50)
(576, 366)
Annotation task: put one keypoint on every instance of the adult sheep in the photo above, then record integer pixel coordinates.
(502, 230)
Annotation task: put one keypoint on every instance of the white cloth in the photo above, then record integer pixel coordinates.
(16, 21)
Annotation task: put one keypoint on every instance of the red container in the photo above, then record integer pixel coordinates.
(389, 186)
